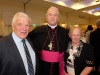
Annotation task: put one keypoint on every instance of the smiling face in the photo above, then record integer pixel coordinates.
(21, 27)
(52, 16)
(75, 35)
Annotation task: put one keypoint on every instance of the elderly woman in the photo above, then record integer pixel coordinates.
(79, 55)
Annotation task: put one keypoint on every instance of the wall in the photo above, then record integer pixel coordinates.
(37, 14)
(1, 25)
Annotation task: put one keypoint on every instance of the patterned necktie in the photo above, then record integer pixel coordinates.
(29, 61)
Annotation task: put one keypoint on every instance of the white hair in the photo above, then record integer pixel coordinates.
(20, 15)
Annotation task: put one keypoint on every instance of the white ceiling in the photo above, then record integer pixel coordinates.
(80, 4)
(74, 4)
(67, 8)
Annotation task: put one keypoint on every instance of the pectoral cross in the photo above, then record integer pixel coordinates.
(50, 45)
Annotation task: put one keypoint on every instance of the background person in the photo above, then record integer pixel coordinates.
(87, 35)
(95, 42)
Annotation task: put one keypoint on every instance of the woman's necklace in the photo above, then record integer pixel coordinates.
(76, 53)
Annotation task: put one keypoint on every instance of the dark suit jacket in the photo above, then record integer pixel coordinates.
(10, 60)
(95, 41)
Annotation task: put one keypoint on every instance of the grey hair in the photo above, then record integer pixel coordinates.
(75, 27)
(98, 23)
(20, 15)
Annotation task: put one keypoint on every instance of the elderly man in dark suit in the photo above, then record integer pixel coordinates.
(14, 60)
(95, 42)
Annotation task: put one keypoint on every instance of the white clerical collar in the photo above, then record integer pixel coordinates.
(52, 26)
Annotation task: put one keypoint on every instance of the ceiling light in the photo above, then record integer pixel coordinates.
(61, 3)
(97, 13)
(76, 25)
(96, 0)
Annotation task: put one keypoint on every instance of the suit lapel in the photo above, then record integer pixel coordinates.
(14, 52)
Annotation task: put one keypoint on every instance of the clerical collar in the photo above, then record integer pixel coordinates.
(52, 26)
